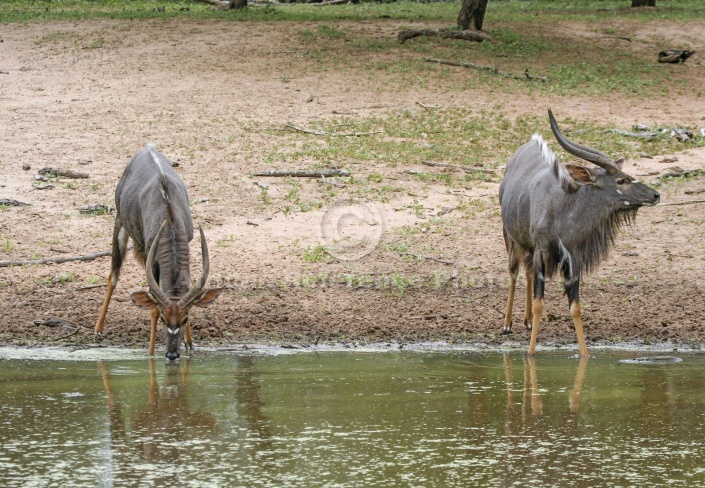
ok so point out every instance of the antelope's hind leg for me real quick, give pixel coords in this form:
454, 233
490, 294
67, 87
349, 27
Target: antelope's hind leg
513, 273
571, 284
117, 257
528, 315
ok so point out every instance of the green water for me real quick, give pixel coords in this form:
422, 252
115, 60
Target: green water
353, 419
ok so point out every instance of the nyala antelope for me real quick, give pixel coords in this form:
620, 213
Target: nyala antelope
562, 218
152, 209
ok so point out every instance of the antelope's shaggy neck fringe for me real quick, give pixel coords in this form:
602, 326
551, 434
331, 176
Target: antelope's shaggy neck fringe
588, 249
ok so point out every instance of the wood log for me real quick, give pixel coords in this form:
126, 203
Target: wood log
9, 202
65, 173
465, 35
87, 257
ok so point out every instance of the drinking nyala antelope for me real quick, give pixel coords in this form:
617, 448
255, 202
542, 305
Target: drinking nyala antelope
562, 218
152, 209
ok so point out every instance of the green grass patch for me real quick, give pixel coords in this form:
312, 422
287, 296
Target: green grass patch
543, 12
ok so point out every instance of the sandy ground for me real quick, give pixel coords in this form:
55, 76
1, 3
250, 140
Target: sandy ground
86, 96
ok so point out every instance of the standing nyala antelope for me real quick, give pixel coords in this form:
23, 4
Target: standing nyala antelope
562, 218
152, 208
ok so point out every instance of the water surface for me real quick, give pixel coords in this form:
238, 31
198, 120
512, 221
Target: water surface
353, 419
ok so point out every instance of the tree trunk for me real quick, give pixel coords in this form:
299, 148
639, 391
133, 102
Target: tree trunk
237, 4
472, 14
643, 3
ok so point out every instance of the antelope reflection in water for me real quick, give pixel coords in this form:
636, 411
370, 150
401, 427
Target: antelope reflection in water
165, 437
531, 402
161, 431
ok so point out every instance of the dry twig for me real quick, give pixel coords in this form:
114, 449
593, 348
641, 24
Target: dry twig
688, 202
467, 169
304, 173
324, 133
87, 257
491, 69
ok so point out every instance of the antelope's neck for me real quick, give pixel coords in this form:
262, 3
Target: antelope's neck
174, 264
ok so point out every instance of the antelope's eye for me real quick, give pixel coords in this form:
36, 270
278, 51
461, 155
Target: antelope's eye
621, 181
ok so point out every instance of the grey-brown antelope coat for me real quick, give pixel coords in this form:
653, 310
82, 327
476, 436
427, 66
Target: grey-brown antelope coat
565, 219
153, 209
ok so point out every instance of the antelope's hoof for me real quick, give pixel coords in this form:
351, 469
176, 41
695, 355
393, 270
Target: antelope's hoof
507, 330
527, 324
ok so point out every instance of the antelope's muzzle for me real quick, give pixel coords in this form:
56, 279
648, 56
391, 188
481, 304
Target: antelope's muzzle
173, 342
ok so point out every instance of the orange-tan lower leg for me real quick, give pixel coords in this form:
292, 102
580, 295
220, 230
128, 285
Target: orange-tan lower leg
528, 315
578, 322
537, 310
510, 305
187, 337
154, 317
104, 309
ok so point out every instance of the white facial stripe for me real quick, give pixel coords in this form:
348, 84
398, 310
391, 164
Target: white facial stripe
626, 203
172, 331
620, 192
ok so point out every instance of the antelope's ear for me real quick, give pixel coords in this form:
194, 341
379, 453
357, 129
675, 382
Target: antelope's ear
582, 175
620, 163
208, 297
143, 300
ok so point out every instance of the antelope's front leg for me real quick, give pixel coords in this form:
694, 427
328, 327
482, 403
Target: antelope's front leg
537, 305
571, 284
187, 338
154, 317
98, 330
573, 291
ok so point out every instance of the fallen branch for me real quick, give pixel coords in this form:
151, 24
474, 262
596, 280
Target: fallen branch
303, 173
430, 258
97, 209
428, 107
334, 183
56, 322
9, 202
689, 202
331, 2
90, 287
641, 135
464, 35
432, 317
467, 169
66, 173
621, 38
695, 192
324, 133
87, 257
492, 69
68, 335
218, 3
